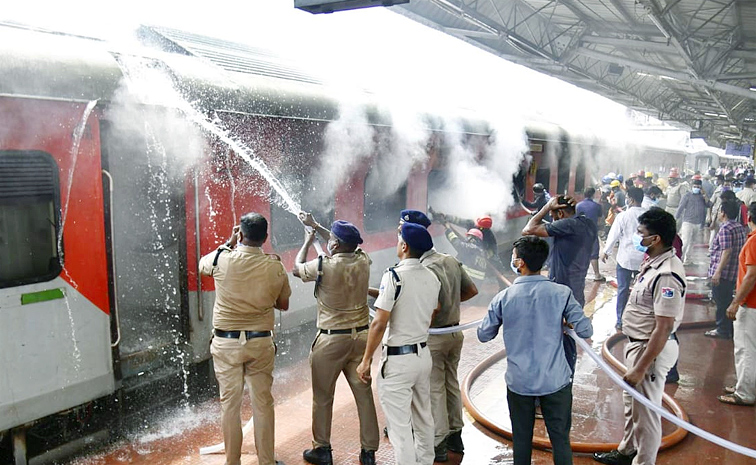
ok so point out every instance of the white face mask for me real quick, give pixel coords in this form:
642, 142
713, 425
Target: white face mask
514, 268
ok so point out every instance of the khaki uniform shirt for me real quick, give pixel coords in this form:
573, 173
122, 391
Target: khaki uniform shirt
247, 285
453, 279
343, 289
659, 289
412, 310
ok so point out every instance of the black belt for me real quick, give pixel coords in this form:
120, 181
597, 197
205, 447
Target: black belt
236, 334
446, 326
344, 331
404, 350
672, 337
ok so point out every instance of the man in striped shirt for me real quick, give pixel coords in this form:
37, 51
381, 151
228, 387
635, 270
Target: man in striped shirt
723, 270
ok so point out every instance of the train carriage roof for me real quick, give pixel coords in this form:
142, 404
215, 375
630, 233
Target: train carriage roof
218, 76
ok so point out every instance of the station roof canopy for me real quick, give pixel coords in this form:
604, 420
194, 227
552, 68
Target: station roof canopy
686, 61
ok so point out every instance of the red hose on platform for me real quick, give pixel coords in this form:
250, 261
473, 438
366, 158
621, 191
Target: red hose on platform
541, 442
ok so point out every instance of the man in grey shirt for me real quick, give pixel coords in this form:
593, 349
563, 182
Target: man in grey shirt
531, 313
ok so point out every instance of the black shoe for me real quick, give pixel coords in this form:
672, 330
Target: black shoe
454, 443
367, 457
614, 457
319, 456
441, 453
385, 431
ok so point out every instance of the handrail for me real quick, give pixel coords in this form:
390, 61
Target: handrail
197, 235
113, 259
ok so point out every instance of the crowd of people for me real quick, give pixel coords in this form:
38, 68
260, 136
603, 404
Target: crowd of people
649, 223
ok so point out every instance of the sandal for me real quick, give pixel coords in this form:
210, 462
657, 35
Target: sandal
733, 399
729, 389
599, 279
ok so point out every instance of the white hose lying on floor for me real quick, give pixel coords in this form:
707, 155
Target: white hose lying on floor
656, 408
220, 447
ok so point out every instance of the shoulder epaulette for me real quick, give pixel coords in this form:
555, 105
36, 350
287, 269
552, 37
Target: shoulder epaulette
397, 281
273, 256
217, 254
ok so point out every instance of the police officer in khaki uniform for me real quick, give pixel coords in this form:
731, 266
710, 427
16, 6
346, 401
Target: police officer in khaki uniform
446, 348
341, 289
248, 285
406, 301
652, 316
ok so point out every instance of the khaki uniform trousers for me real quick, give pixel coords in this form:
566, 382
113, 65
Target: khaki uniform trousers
237, 364
404, 392
643, 430
331, 355
446, 400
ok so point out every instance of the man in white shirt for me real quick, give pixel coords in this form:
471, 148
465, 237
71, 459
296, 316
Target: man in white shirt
628, 258
747, 195
406, 303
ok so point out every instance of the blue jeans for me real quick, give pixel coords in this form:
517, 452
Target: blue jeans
624, 279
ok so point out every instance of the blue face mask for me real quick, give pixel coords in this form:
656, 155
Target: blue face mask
738, 189
637, 239
696, 190
514, 268
655, 201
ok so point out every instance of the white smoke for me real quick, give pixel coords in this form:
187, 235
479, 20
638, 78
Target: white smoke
479, 171
400, 151
348, 141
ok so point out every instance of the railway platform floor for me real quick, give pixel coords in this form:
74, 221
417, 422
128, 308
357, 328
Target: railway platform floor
705, 366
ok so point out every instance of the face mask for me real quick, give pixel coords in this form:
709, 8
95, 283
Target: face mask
654, 201
637, 239
514, 268
738, 189
696, 190
725, 188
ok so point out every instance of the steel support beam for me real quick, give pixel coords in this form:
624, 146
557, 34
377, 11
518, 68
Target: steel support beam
646, 67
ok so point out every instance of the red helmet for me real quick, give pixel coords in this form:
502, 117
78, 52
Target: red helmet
484, 222
475, 232
697, 177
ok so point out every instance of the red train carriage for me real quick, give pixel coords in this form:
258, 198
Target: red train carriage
107, 200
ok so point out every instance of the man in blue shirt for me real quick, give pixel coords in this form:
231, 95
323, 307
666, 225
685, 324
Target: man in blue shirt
574, 237
531, 313
592, 211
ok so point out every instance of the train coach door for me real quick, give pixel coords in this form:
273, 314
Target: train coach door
145, 216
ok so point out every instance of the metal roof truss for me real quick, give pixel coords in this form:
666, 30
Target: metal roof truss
687, 61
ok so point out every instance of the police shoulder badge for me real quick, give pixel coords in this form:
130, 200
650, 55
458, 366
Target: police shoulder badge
668, 292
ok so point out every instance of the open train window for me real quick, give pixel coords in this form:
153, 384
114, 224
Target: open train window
543, 176
29, 218
381, 209
580, 176
564, 161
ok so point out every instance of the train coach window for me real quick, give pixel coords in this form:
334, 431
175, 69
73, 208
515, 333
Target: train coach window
381, 209
29, 219
286, 229
580, 176
564, 161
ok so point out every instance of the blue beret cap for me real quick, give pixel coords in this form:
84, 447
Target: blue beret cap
415, 216
417, 237
346, 232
